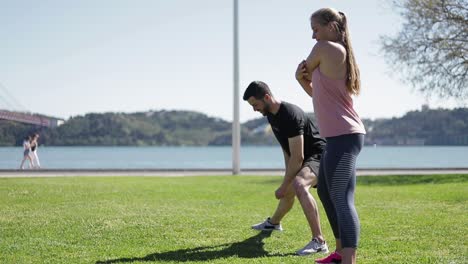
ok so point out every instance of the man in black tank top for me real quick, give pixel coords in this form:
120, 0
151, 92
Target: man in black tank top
302, 149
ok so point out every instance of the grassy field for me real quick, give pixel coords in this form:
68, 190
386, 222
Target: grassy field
404, 219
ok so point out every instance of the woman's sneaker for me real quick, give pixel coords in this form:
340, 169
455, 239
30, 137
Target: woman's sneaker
334, 258
267, 225
314, 246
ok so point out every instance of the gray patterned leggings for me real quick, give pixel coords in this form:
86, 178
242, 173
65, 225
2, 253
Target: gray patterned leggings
336, 184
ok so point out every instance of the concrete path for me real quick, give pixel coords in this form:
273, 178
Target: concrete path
201, 172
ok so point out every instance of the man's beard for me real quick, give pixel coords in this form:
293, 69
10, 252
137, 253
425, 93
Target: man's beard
266, 109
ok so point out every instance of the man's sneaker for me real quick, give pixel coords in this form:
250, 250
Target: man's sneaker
267, 225
334, 258
314, 246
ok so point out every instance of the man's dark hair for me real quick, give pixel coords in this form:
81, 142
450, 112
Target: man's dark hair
257, 89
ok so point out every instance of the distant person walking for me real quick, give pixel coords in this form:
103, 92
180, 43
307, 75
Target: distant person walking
302, 149
34, 157
330, 75
26, 152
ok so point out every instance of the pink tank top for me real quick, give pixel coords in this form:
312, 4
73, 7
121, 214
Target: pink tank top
333, 107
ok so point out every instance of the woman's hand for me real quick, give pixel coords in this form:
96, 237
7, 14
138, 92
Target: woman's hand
301, 72
302, 76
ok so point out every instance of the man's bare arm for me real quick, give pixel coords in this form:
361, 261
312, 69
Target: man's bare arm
294, 163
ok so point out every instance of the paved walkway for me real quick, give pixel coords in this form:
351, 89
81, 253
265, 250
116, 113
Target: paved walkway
200, 172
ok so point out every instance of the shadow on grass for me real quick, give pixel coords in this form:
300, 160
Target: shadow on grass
249, 248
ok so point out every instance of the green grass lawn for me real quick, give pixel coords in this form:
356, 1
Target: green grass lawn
404, 219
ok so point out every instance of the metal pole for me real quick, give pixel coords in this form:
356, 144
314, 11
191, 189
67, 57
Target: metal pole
235, 121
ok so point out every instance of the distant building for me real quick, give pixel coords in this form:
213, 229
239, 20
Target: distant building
55, 122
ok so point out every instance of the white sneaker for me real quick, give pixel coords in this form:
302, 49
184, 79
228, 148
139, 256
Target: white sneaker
267, 225
314, 246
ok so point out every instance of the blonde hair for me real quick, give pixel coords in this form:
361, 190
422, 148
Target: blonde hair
338, 21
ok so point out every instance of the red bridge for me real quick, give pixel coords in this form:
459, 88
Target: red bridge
31, 119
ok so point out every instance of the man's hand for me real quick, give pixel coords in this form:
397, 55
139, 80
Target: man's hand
280, 192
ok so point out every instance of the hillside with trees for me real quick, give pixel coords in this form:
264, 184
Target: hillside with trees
187, 128
426, 127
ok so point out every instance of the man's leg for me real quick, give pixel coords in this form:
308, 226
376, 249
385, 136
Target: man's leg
302, 183
273, 223
284, 206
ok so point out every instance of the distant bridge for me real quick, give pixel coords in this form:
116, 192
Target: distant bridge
30, 118
18, 112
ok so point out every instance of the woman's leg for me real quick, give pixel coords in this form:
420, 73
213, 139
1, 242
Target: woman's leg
323, 191
342, 170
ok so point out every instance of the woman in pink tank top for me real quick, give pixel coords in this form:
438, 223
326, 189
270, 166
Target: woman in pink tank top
330, 76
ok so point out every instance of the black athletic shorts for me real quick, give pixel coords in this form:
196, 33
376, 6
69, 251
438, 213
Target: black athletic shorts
314, 164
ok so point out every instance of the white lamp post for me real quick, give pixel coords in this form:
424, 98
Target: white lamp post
235, 121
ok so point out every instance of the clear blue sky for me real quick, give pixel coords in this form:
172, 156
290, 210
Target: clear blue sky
67, 58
